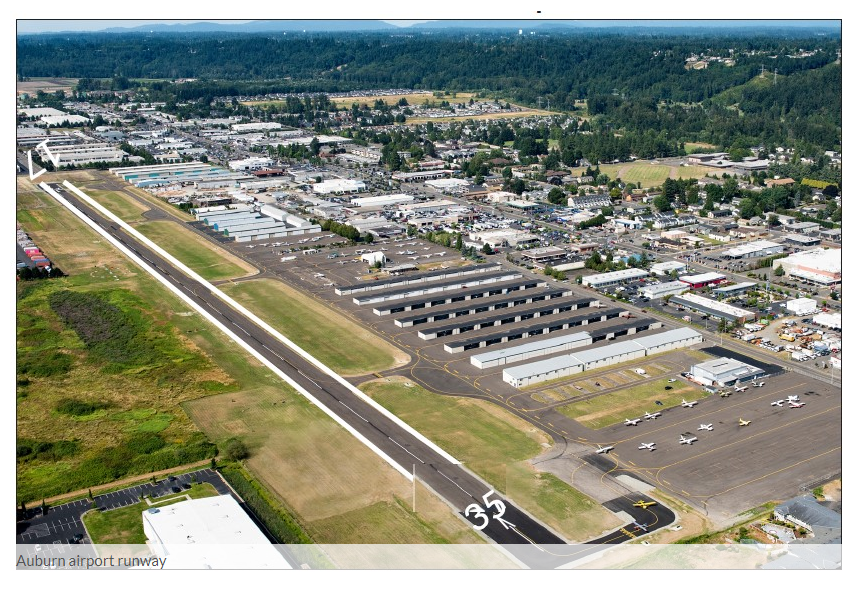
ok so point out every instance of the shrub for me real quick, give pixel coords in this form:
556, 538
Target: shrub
79, 408
235, 450
144, 442
41, 364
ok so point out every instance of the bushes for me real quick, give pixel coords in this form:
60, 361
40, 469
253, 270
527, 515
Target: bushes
282, 526
79, 408
41, 364
234, 450
144, 442
29, 449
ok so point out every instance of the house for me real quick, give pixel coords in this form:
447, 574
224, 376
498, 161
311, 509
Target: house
823, 523
772, 182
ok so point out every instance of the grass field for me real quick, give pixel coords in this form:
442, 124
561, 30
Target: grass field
46, 84
611, 408
481, 117
125, 525
689, 147
304, 458
650, 174
336, 341
117, 202
413, 99
496, 445
210, 261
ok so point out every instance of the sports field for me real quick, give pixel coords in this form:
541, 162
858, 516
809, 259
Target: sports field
611, 408
496, 445
649, 174
335, 340
205, 258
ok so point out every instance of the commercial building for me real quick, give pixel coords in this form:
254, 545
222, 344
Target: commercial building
339, 185
712, 308
381, 200
251, 164
735, 290
209, 533
444, 185
247, 127
754, 248
820, 266
829, 320
541, 256
801, 307
606, 355
62, 120
701, 280
802, 240
504, 237
666, 268
658, 291
613, 278
724, 372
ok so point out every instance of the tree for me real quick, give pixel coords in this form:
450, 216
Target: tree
235, 450
459, 243
368, 238
557, 196
779, 271
487, 249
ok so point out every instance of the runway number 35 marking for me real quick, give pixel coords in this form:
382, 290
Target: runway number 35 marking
481, 513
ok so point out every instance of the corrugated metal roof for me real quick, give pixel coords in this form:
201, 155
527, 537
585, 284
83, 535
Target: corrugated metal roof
531, 347
669, 336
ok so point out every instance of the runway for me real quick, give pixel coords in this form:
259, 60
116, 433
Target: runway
498, 518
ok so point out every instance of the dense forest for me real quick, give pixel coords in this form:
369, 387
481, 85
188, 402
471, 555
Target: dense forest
633, 82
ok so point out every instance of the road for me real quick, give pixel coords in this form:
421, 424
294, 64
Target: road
461, 489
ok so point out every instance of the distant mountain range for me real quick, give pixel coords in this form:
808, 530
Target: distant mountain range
376, 25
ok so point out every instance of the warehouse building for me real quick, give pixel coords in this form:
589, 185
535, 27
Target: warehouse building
381, 201
209, 533
477, 292
724, 372
712, 308
248, 127
339, 185
658, 291
430, 276
251, 164
753, 249
606, 355
701, 280
801, 307
829, 320
820, 266
517, 353
551, 326
613, 278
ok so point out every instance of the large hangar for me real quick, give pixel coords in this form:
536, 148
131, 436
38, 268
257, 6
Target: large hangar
606, 355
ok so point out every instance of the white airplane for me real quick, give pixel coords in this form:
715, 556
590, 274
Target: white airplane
319, 275
410, 252
684, 403
708, 427
672, 380
401, 252
607, 449
796, 405
425, 256
250, 246
648, 446
792, 398
413, 258
687, 440
743, 422
740, 388
777, 403
427, 248
439, 254
631, 422
758, 385
639, 526
652, 415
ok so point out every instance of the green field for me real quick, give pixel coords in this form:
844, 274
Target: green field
607, 409
301, 456
125, 525
496, 445
127, 209
650, 174
335, 340
211, 262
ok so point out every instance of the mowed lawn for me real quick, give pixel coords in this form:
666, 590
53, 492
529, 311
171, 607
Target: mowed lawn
124, 207
337, 341
651, 174
613, 407
340, 491
497, 446
211, 262
125, 525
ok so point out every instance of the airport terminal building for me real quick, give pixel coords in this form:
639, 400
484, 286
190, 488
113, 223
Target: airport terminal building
724, 372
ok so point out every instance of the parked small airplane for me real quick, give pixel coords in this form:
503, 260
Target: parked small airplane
652, 415
684, 403
607, 449
631, 422
708, 427
777, 403
648, 446
687, 440
793, 398
639, 526
743, 422
742, 388
643, 504
796, 405
758, 385
672, 380
725, 394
